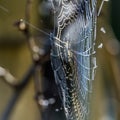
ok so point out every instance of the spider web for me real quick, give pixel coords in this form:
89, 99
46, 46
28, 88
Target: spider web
72, 54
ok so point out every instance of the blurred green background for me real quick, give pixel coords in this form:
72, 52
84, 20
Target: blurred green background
15, 57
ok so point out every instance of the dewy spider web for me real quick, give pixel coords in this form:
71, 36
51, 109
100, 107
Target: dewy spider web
72, 54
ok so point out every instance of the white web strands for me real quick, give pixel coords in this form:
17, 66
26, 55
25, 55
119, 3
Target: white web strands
72, 54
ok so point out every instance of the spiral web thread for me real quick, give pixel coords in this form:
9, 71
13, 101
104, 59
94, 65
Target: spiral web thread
72, 54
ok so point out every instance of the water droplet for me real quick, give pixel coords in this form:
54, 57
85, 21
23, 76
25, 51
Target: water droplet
44, 103
56, 110
22, 25
102, 29
36, 49
100, 45
51, 101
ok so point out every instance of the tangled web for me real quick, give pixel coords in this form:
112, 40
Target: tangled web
72, 54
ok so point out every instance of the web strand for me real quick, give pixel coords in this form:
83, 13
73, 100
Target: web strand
73, 53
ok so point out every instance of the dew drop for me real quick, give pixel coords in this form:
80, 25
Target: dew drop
102, 29
44, 103
56, 110
51, 101
100, 45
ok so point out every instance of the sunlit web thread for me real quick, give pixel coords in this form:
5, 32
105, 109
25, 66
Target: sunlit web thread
4, 9
72, 54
